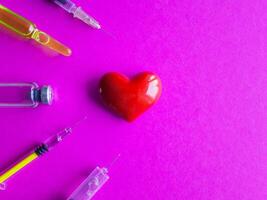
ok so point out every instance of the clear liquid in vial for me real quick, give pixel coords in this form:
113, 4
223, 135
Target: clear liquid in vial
24, 95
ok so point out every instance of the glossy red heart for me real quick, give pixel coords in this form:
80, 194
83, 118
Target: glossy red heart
130, 97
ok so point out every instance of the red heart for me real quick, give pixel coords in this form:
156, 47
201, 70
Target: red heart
130, 97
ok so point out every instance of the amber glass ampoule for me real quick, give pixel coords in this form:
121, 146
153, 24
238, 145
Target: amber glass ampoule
28, 29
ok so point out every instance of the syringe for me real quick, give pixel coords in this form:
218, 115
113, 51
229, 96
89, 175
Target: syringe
37, 152
93, 183
77, 12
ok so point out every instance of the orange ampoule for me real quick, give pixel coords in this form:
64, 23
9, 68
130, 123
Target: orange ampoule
27, 29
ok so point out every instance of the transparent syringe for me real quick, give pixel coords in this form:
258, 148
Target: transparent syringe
93, 183
49, 144
78, 12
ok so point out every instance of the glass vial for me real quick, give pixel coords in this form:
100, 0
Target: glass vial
24, 95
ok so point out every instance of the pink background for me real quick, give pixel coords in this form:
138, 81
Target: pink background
204, 139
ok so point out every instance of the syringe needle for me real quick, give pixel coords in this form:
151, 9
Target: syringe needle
114, 161
55, 139
79, 122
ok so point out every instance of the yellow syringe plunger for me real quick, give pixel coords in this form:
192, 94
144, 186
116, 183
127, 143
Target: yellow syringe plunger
28, 29
49, 144
18, 167
23, 163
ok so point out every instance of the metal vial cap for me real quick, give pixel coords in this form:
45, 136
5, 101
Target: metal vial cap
46, 95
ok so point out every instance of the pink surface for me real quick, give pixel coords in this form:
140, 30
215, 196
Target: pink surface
204, 139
